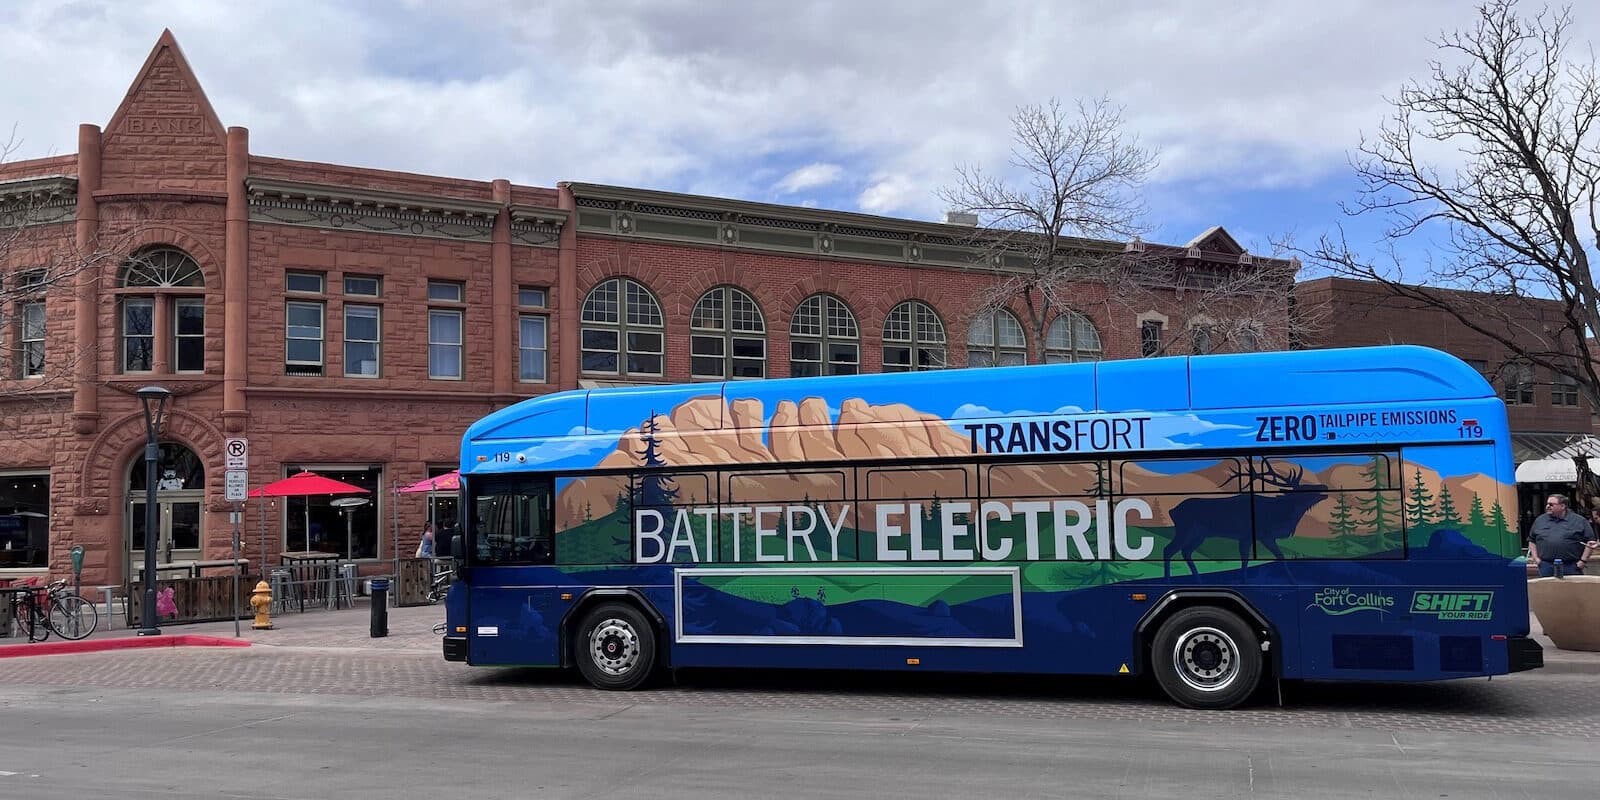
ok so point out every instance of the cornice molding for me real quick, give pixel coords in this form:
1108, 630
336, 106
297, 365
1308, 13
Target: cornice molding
628, 213
43, 200
372, 211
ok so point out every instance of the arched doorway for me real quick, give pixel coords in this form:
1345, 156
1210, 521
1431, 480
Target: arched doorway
180, 496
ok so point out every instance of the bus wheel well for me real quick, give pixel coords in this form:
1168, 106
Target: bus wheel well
595, 597
1178, 600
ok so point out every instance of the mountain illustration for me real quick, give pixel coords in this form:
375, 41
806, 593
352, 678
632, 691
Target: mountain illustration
692, 435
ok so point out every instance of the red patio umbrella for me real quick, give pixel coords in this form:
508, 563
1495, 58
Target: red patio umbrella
448, 482
299, 485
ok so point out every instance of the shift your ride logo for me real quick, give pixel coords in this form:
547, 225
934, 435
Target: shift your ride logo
1339, 602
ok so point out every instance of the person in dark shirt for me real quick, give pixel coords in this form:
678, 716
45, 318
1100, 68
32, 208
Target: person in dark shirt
1559, 533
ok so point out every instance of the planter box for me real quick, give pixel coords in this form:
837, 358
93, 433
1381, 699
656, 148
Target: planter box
198, 600
1568, 609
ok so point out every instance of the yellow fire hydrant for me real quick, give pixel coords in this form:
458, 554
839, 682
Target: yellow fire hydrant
261, 601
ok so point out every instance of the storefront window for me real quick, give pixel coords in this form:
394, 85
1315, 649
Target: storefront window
317, 524
24, 520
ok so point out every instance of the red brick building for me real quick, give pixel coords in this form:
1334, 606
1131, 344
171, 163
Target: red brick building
354, 322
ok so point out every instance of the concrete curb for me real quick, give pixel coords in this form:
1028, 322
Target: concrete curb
1567, 665
117, 643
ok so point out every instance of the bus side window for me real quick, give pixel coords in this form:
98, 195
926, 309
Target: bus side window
512, 522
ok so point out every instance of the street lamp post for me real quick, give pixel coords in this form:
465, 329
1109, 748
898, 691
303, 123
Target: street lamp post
154, 399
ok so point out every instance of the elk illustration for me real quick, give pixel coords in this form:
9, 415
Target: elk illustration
1276, 516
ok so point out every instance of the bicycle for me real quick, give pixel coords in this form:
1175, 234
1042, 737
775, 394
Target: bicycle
439, 585
64, 613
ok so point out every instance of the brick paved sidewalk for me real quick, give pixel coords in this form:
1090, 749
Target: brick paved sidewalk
410, 630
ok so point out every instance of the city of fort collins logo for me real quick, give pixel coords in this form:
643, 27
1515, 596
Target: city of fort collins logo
1339, 602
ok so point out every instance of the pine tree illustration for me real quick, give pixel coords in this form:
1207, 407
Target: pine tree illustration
588, 511
1419, 506
1475, 513
1378, 509
654, 489
1447, 508
1342, 521
1497, 520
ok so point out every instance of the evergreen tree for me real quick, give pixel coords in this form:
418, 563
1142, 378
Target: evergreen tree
1475, 513
1378, 509
588, 511
1420, 504
1497, 519
1342, 521
1447, 508
654, 489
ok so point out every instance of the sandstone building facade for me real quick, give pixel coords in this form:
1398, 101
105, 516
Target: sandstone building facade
353, 322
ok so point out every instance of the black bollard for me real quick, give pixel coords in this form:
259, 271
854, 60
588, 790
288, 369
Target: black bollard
380, 607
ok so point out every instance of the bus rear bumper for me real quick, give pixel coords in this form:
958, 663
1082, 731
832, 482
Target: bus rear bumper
455, 648
1522, 654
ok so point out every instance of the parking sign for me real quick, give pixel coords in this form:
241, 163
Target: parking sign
238, 454
236, 485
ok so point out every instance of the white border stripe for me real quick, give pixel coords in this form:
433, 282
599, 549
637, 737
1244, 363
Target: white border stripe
1014, 573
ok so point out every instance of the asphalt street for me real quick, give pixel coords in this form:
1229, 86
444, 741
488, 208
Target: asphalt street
318, 723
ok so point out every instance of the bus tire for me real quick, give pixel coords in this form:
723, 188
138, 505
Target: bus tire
615, 647
1206, 657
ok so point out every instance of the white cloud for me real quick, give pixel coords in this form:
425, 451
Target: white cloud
810, 176
1239, 96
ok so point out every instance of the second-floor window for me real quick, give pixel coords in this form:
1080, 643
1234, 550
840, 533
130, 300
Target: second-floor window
161, 312
1150, 338
1564, 391
31, 336
622, 329
1072, 338
1518, 382
913, 338
363, 338
824, 338
996, 339
728, 338
445, 338
303, 337
532, 354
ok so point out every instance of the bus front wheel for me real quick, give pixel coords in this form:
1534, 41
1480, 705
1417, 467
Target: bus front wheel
1206, 657
616, 647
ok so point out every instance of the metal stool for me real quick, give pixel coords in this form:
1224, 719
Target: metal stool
278, 579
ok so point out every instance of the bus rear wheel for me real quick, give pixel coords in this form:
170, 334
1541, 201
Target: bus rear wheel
1206, 657
616, 647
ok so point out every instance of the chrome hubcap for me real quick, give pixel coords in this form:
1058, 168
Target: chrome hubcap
614, 646
1207, 659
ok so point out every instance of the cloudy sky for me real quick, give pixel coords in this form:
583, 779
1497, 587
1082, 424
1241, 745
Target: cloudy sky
1255, 107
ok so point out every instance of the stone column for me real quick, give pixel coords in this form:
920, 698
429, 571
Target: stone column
85, 319
503, 300
235, 283
567, 310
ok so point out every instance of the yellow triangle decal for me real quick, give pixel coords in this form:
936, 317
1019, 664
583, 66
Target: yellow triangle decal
1124, 670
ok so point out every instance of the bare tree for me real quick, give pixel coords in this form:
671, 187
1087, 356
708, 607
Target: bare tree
1062, 230
41, 270
1511, 211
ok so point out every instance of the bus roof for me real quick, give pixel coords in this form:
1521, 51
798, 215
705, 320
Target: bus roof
1391, 374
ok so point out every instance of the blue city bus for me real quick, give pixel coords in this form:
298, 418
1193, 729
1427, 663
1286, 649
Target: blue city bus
1212, 521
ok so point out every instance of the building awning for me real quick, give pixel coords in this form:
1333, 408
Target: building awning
1536, 446
1550, 457
1552, 470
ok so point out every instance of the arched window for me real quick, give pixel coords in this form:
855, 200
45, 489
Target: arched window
161, 313
996, 339
913, 338
1072, 337
823, 338
728, 336
622, 329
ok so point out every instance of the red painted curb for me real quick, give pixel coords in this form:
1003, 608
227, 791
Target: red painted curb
118, 643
